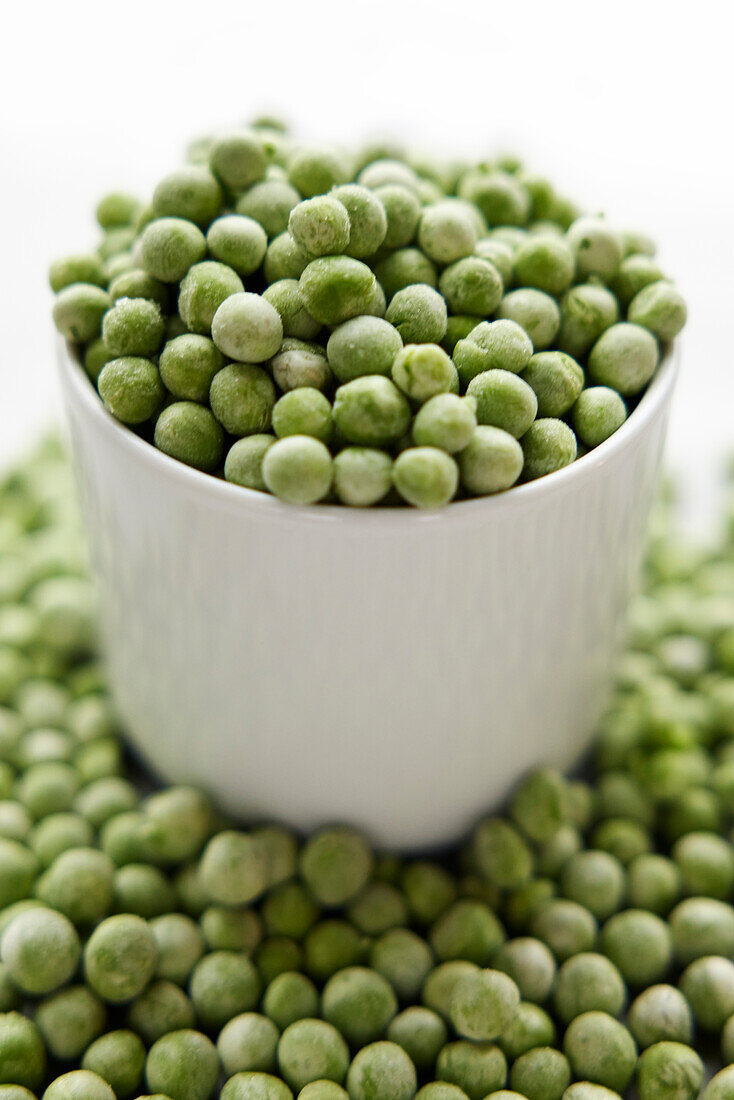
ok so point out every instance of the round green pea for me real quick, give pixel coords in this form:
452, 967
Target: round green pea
548, 445
298, 469
336, 288
425, 477
244, 462
169, 247
312, 1050
239, 242
131, 389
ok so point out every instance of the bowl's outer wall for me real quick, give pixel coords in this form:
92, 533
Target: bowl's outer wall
396, 676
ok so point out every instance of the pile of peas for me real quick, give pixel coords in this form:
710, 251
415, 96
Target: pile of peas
364, 327
577, 945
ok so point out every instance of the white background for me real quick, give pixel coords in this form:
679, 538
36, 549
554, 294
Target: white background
628, 106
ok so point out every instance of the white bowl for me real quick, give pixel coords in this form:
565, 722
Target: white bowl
394, 669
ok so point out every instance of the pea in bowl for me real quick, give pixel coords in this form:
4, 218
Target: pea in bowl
393, 668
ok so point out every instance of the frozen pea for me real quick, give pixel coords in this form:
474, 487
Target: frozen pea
367, 219
660, 308
467, 930
118, 1058
233, 868
336, 288
362, 475
320, 226
144, 890
557, 380
136, 283
289, 997
446, 421
483, 1004
405, 267
379, 907
298, 469
541, 1074
169, 247
669, 1070
636, 271
548, 445
300, 364
624, 358
600, 1050
404, 959
179, 945
501, 854
131, 389
586, 1090
58, 832
622, 838
103, 798
15, 821
120, 837
595, 880
162, 1007
587, 311
535, 311
659, 1013
419, 314
708, 985
446, 232
440, 983
237, 241
378, 1068
531, 1027
336, 864
189, 433
285, 296
546, 263
598, 413
238, 158
79, 1084
471, 285
492, 345
554, 853
500, 197
425, 477
191, 192
476, 1068
598, 249
248, 1042
18, 869
83, 267
423, 370
183, 1065
242, 397
530, 964
178, 822
284, 259
254, 1085
588, 982
491, 461
133, 327
78, 311
440, 1090
385, 165
331, 945
203, 289
363, 346
504, 401
313, 171
706, 865
702, 926
566, 927
22, 1053
247, 328
230, 929
69, 1021
421, 1033
269, 202
289, 910
721, 1086
303, 411
120, 958
276, 955
500, 254
360, 1003
371, 411
402, 214
244, 462
40, 950
640, 945
312, 1050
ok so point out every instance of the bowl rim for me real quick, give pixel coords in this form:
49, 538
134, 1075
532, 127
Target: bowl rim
197, 482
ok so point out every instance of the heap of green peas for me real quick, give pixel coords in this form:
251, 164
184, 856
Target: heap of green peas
578, 944
364, 328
